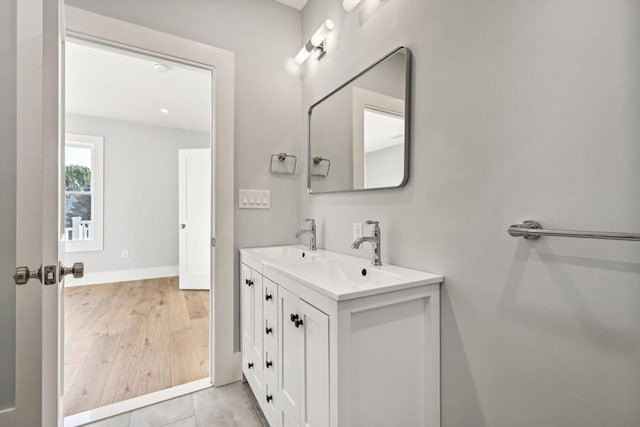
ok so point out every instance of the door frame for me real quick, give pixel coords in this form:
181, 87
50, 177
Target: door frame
96, 28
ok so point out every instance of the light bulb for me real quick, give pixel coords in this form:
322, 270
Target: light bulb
321, 33
349, 5
302, 56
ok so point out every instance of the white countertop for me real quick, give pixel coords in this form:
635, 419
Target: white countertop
338, 276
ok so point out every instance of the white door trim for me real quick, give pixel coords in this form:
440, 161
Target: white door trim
91, 26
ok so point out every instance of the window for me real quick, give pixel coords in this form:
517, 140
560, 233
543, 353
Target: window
83, 196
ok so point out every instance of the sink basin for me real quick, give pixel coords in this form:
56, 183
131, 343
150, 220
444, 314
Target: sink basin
348, 273
338, 276
344, 272
286, 254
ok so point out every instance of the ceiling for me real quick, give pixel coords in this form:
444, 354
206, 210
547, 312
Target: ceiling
115, 84
297, 4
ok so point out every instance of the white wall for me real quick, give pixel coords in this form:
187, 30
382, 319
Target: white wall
523, 109
264, 36
384, 167
140, 193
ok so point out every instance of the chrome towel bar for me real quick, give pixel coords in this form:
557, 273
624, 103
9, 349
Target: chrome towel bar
532, 230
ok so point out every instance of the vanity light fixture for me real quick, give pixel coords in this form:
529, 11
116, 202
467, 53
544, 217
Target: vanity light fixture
316, 44
349, 5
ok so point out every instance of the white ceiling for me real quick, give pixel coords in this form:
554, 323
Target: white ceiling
297, 4
115, 84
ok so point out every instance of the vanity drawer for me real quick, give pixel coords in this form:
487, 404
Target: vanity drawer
270, 405
270, 332
270, 300
270, 363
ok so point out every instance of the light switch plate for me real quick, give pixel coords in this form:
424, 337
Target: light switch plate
357, 230
254, 199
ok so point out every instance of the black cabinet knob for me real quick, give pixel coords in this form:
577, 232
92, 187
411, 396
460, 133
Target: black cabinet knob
269, 397
298, 323
246, 281
269, 364
268, 330
294, 317
268, 297
250, 365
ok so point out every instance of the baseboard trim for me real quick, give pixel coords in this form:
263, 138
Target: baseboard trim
132, 404
122, 275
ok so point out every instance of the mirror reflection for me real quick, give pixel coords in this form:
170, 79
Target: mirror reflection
357, 137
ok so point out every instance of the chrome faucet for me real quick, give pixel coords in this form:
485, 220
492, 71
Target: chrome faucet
374, 239
312, 233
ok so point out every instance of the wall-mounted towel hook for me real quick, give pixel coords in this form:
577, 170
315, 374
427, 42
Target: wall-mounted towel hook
318, 162
285, 164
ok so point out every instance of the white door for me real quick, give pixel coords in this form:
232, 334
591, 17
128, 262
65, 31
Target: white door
29, 227
194, 216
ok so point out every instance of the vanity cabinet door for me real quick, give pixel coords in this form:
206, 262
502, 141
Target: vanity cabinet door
304, 362
251, 283
247, 309
290, 350
315, 386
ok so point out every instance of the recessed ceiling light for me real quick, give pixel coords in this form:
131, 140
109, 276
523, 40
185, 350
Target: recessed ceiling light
164, 111
161, 68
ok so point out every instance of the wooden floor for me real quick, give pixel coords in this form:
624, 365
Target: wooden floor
127, 339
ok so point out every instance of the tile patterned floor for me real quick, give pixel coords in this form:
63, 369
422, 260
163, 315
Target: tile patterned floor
228, 406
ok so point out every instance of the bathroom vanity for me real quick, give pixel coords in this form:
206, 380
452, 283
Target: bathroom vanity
329, 340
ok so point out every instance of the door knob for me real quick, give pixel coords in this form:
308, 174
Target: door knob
23, 274
183, 225
77, 270
46, 275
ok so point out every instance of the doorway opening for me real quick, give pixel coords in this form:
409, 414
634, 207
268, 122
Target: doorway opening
138, 213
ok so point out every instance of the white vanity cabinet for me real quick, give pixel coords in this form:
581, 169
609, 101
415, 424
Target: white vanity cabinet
340, 354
